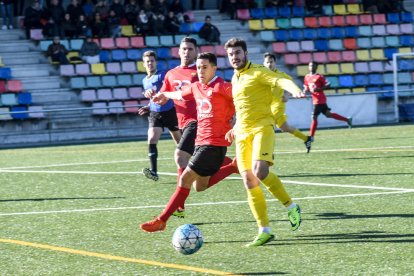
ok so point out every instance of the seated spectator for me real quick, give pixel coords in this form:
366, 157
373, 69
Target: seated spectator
68, 28
171, 23
99, 27
147, 6
161, 7
131, 12
178, 10
55, 11
314, 6
57, 52
143, 23
114, 23
32, 19
118, 8
157, 23
50, 29
90, 51
75, 10
209, 32
102, 9
88, 8
83, 28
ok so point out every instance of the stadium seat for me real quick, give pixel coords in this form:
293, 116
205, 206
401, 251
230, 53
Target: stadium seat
257, 13
82, 69
365, 19
113, 67
116, 107
334, 81
324, 33
392, 41
334, 56
291, 59
135, 92
363, 55
137, 79
228, 74
293, 46
347, 68
354, 9
305, 57
327, 10
339, 20
24, 98
406, 28
131, 106
133, 54
243, 14
137, 42
36, 34
270, 12
162, 65
377, 54
172, 63
88, 95
351, 31
14, 86
207, 48
406, 17
404, 50
269, 24
178, 38
392, 29
19, 115
379, 18
93, 81
77, 82
197, 26
98, 69
5, 73
99, 108
128, 67
335, 44
376, 66
267, 36
393, 18
307, 45
255, 25
295, 34
363, 42
352, 20
365, 31
351, 43
36, 112
311, 22
104, 56
127, 30
337, 32
140, 67
320, 57
124, 80
346, 81
375, 79
281, 35
297, 22
302, 70
120, 93
360, 80
8, 99
378, 42
167, 40
65, 43
404, 77
283, 23
298, 11
220, 51
388, 52
108, 43
2, 86
163, 53
332, 69
152, 41
76, 44
348, 56
325, 21
340, 9
406, 40
104, 94
119, 55
361, 67
284, 11
67, 70
279, 47
44, 44
109, 81
309, 33
122, 42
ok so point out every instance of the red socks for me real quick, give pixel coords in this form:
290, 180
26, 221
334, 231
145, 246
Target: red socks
176, 200
314, 126
226, 169
339, 117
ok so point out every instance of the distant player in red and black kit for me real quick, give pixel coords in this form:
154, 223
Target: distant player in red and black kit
175, 79
209, 163
315, 83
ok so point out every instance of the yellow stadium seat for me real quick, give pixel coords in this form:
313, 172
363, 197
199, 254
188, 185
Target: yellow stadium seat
98, 69
330, 91
404, 50
140, 66
340, 9
358, 89
321, 69
74, 57
1, 62
354, 9
332, 69
378, 54
269, 24
127, 30
363, 55
347, 68
343, 90
302, 70
255, 25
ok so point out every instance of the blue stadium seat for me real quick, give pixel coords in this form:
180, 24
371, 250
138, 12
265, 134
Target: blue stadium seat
298, 11
327, 10
162, 65
109, 81
321, 45
124, 80
337, 32
8, 99
346, 81
104, 56
137, 79
167, 40
186, 28
324, 33
228, 74
333, 80
44, 44
296, 34
388, 52
172, 63
78, 82
281, 35
310, 33
119, 55
393, 18
24, 98
76, 44
407, 40
360, 80
5, 73
267, 36
164, 53
257, 13
19, 115
93, 81
375, 79
133, 54
196, 26
297, 22
284, 11
270, 12
406, 17
404, 77
406, 64
351, 31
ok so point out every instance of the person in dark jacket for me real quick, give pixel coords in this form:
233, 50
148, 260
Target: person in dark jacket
57, 52
32, 17
209, 32
90, 51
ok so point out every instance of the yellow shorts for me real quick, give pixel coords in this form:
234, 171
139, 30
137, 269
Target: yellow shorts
256, 144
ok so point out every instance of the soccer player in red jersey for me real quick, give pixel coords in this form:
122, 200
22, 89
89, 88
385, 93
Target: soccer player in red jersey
209, 163
315, 83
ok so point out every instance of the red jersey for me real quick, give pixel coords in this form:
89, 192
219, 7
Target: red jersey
313, 81
174, 80
215, 110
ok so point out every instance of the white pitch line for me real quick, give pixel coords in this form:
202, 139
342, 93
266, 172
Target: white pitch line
190, 204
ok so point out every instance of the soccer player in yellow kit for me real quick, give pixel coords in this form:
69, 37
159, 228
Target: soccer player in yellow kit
279, 104
254, 135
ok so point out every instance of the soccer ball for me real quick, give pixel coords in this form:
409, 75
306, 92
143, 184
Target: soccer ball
187, 239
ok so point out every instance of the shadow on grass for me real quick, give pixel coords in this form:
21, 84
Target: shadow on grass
379, 157
340, 175
350, 216
58, 198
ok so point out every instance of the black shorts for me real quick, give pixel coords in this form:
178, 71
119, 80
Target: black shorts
207, 160
320, 108
163, 119
188, 137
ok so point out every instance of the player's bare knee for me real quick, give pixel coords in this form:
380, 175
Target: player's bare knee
260, 172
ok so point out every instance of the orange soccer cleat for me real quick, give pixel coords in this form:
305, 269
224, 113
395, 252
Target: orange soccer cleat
154, 225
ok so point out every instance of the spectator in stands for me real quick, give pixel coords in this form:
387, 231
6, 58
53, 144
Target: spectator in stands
118, 8
57, 52
7, 13
143, 25
83, 28
209, 32
114, 23
147, 6
230, 7
99, 27
200, 4
172, 25
88, 7
157, 23
50, 29
370, 6
75, 10
131, 12
102, 9
68, 28
161, 7
177, 8
314, 6
90, 51
56, 12
32, 18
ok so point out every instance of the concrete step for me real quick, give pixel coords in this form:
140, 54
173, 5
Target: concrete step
41, 83
54, 95
6, 36
12, 58
30, 72
5, 48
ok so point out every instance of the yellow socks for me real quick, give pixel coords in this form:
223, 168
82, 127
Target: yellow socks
276, 188
257, 203
300, 135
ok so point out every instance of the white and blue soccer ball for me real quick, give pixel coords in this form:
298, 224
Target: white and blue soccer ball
187, 239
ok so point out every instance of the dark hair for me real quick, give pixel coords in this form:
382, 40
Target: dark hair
207, 17
209, 56
190, 40
315, 64
235, 42
149, 54
267, 54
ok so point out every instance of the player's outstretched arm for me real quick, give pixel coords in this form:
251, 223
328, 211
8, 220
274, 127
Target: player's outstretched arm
162, 98
291, 87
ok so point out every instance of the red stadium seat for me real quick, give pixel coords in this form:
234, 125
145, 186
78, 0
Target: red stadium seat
279, 47
122, 42
14, 85
2, 86
220, 51
352, 20
334, 56
350, 43
380, 18
174, 52
243, 14
338, 20
291, 59
320, 57
305, 57
130, 108
108, 43
137, 42
207, 48
325, 21
349, 56
365, 19
311, 22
